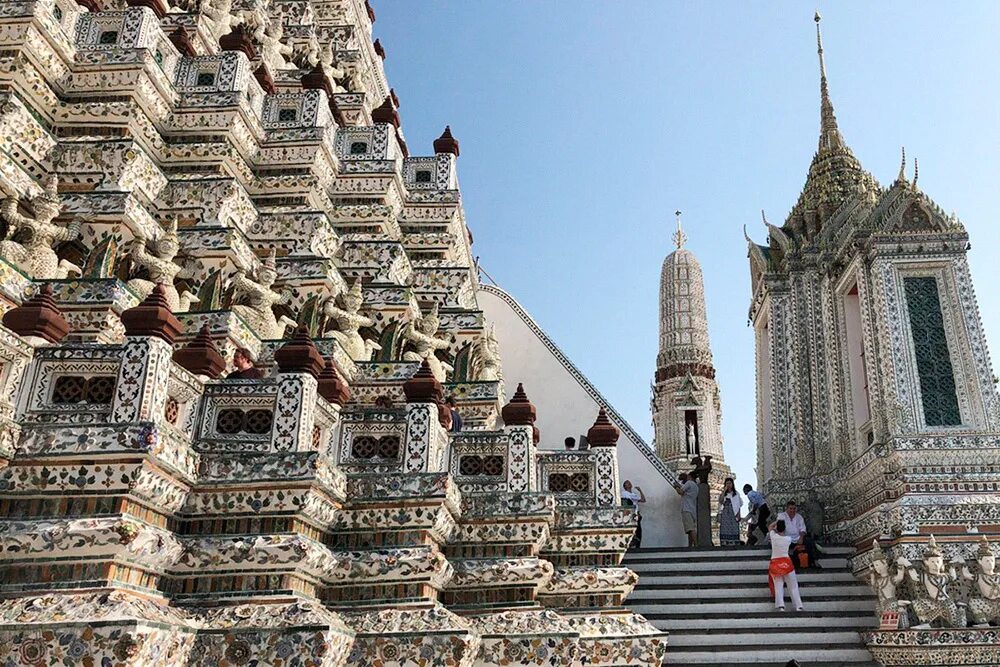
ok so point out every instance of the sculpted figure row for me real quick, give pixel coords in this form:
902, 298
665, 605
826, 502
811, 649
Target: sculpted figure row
933, 602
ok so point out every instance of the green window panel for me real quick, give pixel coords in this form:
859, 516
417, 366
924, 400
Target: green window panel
937, 378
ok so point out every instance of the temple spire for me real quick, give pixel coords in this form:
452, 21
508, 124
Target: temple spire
679, 236
829, 134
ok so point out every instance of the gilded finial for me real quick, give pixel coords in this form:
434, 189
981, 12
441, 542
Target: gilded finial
679, 236
902, 168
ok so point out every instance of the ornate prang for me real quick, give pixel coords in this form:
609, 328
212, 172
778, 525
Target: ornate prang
603, 433
299, 354
686, 402
38, 317
331, 386
446, 143
152, 317
200, 356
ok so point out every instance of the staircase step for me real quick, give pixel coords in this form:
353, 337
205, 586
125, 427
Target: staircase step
717, 610
835, 564
681, 607
719, 553
746, 592
777, 621
807, 656
785, 637
711, 578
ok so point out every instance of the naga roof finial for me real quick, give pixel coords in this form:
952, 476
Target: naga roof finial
902, 168
916, 172
679, 236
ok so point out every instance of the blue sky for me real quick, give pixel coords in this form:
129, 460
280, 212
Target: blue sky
585, 124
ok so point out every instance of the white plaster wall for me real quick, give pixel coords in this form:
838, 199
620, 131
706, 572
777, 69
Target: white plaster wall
567, 405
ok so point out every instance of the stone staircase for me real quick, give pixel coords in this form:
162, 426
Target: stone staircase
716, 607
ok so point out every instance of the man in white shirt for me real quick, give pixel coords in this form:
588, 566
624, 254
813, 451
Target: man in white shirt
632, 498
688, 491
795, 528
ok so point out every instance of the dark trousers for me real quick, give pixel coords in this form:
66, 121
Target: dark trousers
809, 544
637, 538
760, 523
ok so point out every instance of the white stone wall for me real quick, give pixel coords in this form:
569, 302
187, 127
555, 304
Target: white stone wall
567, 404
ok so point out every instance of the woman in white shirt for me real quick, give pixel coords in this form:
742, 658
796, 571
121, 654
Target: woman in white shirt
780, 571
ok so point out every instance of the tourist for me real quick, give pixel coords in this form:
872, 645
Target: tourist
632, 498
456, 418
730, 506
757, 516
801, 539
781, 571
570, 444
244, 368
688, 491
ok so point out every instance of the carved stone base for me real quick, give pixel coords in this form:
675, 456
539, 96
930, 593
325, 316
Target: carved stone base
412, 636
617, 638
967, 646
110, 628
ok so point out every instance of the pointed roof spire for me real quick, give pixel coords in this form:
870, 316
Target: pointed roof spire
679, 236
835, 175
829, 135
901, 178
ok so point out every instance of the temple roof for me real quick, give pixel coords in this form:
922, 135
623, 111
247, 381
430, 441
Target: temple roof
835, 175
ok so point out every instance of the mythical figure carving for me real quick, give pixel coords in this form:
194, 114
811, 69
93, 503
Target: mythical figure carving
489, 356
984, 602
253, 300
161, 268
349, 319
275, 54
884, 578
422, 334
932, 600
219, 15
34, 250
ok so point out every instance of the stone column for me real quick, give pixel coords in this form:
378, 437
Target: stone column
299, 364
424, 445
519, 422
141, 388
